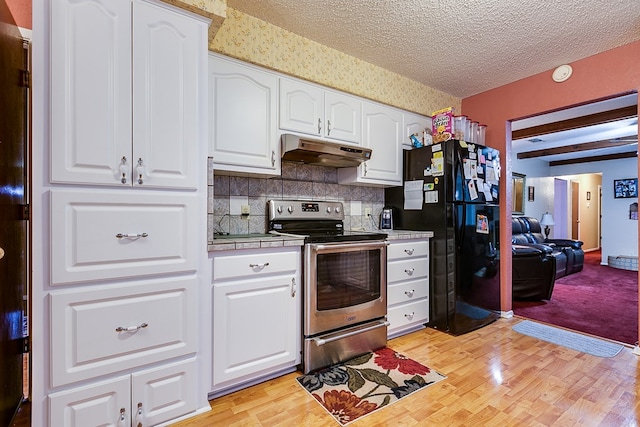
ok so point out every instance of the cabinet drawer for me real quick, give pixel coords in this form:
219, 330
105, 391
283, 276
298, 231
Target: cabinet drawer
85, 340
407, 291
408, 314
85, 226
407, 269
254, 263
408, 249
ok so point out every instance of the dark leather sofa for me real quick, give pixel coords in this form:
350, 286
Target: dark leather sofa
533, 272
572, 249
537, 262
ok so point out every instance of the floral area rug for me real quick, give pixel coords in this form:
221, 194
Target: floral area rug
367, 383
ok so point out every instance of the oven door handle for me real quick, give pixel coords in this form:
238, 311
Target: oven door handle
321, 341
351, 246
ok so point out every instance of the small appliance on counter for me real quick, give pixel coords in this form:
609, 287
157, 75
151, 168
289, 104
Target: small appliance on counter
386, 219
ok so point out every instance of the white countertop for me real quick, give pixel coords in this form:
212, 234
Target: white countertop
257, 241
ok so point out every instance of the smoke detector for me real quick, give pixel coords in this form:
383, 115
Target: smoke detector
562, 73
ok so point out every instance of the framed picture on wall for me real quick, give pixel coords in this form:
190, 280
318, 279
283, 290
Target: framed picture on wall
625, 188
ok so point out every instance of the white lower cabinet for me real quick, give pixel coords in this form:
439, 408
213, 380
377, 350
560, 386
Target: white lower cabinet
102, 330
120, 234
256, 315
145, 398
407, 285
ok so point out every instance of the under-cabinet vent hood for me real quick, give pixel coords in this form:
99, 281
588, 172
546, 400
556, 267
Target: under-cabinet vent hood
306, 150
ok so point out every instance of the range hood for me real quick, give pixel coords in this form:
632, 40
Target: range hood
314, 151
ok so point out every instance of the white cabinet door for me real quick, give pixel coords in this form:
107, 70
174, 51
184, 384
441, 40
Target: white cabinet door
256, 326
414, 124
106, 403
105, 329
242, 126
301, 107
164, 393
90, 90
343, 116
169, 51
114, 118
382, 132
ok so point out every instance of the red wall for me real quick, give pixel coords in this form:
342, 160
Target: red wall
21, 11
599, 76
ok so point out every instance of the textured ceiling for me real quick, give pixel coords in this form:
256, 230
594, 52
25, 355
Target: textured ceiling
460, 47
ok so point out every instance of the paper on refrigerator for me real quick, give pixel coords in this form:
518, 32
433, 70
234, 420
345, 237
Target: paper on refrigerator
413, 195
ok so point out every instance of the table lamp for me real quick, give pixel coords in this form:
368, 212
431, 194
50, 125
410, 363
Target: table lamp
547, 220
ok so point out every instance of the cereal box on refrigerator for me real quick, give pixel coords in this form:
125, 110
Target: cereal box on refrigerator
442, 125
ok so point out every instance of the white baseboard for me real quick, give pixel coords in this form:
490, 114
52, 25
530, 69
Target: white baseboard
636, 350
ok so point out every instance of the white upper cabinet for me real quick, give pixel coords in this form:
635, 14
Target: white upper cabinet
124, 93
414, 124
382, 132
243, 118
310, 109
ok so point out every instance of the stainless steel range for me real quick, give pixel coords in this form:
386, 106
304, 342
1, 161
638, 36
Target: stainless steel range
345, 289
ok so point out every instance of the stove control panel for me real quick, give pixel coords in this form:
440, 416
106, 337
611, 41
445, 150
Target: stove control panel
305, 210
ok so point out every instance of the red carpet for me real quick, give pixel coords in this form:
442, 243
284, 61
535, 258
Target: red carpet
599, 300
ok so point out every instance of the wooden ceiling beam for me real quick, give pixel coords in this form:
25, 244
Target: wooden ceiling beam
575, 123
593, 159
586, 146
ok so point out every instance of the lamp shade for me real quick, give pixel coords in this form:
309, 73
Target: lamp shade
547, 219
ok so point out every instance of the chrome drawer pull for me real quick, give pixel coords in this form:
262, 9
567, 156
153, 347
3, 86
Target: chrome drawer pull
293, 287
409, 271
131, 235
409, 251
131, 328
409, 293
259, 266
410, 316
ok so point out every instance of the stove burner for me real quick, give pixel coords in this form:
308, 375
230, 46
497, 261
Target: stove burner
318, 222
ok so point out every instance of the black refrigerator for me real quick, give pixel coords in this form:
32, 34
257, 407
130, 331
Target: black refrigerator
451, 188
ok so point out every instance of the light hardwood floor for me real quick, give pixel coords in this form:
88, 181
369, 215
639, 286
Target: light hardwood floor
496, 377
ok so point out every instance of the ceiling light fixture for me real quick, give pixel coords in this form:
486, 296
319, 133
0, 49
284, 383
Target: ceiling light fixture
562, 73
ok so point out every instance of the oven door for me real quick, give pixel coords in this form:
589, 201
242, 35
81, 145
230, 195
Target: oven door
345, 284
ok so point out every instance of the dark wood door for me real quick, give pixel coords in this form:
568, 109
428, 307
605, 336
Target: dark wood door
13, 227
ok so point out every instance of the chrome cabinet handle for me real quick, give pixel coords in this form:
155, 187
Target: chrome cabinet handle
273, 158
131, 328
409, 293
259, 266
131, 235
328, 127
124, 169
409, 271
122, 418
365, 168
319, 126
409, 251
139, 416
293, 287
410, 316
140, 171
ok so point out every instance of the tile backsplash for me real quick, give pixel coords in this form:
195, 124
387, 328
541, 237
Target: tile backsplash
298, 181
